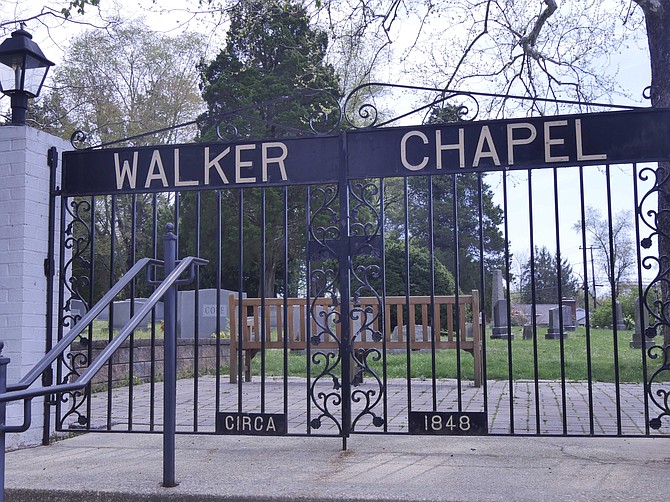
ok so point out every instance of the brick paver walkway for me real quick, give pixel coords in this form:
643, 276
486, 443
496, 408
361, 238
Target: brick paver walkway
506, 414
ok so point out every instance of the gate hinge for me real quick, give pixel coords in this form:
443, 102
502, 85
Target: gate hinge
48, 267
47, 377
52, 157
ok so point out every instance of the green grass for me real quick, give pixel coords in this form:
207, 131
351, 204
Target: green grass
497, 360
100, 331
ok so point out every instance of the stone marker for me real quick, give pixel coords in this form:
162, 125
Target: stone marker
206, 314
122, 313
497, 289
528, 332
569, 323
121, 310
554, 331
499, 329
620, 325
641, 323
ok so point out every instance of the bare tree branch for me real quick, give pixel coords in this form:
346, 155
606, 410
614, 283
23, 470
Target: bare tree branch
529, 41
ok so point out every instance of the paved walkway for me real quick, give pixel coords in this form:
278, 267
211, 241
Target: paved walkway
503, 409
128, 468
119, 467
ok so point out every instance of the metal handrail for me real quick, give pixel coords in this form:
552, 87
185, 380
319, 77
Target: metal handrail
167, 290
83, 323
18, 392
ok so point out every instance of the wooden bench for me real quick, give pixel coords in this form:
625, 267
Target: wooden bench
270, 333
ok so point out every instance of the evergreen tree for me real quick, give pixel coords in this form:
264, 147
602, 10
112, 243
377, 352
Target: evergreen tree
468, 188
543, 279
271, 52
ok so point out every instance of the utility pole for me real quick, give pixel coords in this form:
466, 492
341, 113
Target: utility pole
593, 275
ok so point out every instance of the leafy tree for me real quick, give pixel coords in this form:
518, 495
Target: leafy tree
124, 83
542, 281
271, 51
615, 263
468, 190
420, 279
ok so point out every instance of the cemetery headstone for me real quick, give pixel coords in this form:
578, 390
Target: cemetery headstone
641, 323
499, 329
122, 311
497, 289
554, 332
568, 319
528, 332
620, 325
206, 313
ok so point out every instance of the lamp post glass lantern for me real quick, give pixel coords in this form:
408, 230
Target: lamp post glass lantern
23, 69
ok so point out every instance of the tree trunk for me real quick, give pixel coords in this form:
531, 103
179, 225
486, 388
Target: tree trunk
657, 17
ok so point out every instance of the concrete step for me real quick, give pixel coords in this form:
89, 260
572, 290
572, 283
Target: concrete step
108, 467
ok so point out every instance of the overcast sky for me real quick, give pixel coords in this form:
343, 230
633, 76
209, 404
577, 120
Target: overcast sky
633, 75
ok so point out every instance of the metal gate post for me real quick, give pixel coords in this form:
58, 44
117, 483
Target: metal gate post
4, 361
344, 265
170, 361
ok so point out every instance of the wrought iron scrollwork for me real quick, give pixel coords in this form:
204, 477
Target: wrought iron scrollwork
362, 111
78, 140
365, 250
77, 240
328, 245
324, 115
323, 231
656, 295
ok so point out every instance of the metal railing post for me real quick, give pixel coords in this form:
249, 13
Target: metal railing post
4, 361
170, 361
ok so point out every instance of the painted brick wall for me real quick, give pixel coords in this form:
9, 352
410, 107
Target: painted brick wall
24, 211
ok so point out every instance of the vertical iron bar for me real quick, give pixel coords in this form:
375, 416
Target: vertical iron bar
382, 307
559, 277
589, 362
399, 315
131, 339
344, 265
219, 243
533, 308
241, 311
4, 361
196, 316
47, 378
263, 293
431, 248
457, 300
308, 302
170, 362
482, 290
510, 370
91, 302
61, 297
641, 304
286, 297
615, 333
152, 377
110, 318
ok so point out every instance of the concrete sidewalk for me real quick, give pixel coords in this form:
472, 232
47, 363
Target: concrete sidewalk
128, 467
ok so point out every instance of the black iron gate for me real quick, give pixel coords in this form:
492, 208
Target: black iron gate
365, 281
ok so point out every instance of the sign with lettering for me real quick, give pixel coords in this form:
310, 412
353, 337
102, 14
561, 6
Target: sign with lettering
448, 423
258, 424
602, 138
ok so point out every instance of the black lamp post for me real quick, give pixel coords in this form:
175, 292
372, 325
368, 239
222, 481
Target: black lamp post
23, 68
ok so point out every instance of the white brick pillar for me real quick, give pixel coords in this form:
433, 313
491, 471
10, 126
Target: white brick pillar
24, 224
